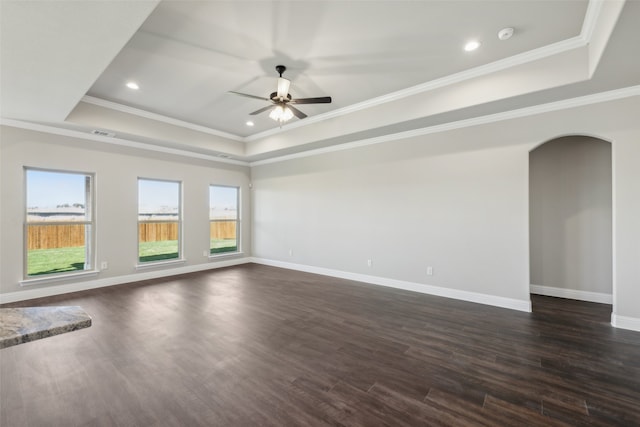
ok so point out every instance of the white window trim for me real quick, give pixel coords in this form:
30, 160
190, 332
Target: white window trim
225, 255
90, 248
142, 265
160, 263
238, 220
57, 277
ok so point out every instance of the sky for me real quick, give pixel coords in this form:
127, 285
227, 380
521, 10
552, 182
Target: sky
224, 197
153, 195
50, 189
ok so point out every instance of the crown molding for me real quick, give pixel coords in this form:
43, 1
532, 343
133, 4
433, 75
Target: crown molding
482, 70
591, 19
589, 23
37, 127
592, 15
491, 118
157, 117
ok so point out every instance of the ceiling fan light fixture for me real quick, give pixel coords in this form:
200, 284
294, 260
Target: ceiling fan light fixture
279, 109
288, 114
281, 114
276, 113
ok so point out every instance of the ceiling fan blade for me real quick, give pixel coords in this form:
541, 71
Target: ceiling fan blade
283, 87
246, 95
320, 100
299, 114
262, 110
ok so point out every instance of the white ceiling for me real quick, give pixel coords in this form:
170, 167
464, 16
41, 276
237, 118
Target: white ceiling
390, 66
188, 55
52, 52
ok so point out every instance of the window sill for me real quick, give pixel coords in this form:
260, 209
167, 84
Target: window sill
213, 257
150, 265
57, 278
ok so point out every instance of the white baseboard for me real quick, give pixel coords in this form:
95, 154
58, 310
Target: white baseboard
514, 304
48, 291
624, 322
572, 294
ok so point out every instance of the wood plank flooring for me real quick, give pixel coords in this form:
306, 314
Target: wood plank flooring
260, 346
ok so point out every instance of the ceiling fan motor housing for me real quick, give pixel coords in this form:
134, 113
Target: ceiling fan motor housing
274, 97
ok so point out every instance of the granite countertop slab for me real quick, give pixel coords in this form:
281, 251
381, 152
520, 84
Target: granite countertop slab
21, 325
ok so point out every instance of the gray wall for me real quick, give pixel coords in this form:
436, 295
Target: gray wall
626, 202
116, 170
456, 204
570, 213
456, 200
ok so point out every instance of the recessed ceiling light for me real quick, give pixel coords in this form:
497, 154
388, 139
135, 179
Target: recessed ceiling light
133, 85
472, 45
249, 123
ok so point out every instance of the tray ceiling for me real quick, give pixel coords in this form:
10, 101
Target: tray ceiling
391, 67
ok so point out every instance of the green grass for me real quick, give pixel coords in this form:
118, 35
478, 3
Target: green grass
58, 260
223, 245
157, 251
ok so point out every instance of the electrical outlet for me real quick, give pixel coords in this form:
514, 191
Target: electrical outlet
104, 265
205, 253
429, 271
290, 252
369, 263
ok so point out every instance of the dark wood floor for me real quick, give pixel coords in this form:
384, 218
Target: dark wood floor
256, 345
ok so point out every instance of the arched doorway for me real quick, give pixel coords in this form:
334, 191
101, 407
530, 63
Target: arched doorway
570, 219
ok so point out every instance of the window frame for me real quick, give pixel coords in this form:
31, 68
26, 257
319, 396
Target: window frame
238, 220
90, 233
179, 258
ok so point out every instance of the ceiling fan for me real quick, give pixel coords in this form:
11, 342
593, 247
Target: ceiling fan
281, 100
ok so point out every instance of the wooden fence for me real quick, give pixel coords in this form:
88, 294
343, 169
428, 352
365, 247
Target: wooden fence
223, 229
157, 231
55, 236
69, 235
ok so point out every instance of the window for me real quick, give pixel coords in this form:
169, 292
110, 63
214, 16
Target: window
159, 220
59, 222
224, 219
